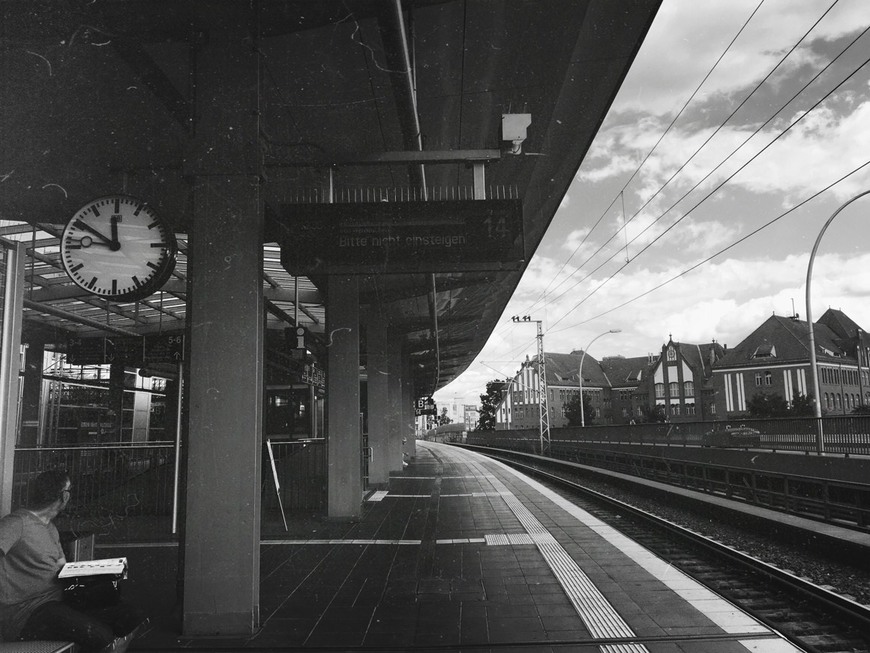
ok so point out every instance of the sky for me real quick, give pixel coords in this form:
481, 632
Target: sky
740, 129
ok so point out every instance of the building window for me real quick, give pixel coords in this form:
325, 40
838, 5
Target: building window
674, 389
690, 409
660, 390
672, 354
689, 389
712, 409
768, 378
758, 379
675, 409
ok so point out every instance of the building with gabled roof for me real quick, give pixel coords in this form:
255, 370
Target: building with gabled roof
775, 359
619, 389
626, 375
679, 381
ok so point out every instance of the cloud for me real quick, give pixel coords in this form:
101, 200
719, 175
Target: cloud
684, 44
728, 297
723, 301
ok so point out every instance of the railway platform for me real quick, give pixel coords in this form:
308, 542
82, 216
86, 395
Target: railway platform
462, 554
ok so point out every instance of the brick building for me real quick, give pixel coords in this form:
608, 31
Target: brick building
680, 381
775, 359
620, 389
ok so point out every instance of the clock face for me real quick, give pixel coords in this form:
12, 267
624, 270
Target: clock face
118, 248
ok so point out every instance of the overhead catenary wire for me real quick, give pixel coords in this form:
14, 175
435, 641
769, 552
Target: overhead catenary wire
729, 177
656, 144
725, 181
725, 249
697, 151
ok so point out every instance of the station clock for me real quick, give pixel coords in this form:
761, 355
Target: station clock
117, 247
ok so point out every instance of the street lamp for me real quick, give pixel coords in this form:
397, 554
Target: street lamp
820, 445
582, 358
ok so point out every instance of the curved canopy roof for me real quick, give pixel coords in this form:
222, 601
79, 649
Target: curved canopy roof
358, 101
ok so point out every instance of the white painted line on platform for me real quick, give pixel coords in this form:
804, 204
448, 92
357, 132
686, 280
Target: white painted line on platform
463, 540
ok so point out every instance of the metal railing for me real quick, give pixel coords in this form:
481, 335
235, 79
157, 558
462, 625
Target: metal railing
110, 483
847, 435
125, 492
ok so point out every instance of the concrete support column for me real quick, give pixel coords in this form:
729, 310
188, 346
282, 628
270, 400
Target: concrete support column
344, 440
410, 447
224, 417
394, 362
224, 380
378, 399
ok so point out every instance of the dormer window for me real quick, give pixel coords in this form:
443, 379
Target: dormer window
765, 351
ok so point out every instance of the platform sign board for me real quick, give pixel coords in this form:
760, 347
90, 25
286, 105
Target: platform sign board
402, 237
86, 351
125, 349
132, 351
164, 348
425, 406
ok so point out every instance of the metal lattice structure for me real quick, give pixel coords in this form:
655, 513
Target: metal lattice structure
543, 403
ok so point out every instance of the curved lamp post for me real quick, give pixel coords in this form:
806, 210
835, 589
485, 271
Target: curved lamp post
817, 402
583, 358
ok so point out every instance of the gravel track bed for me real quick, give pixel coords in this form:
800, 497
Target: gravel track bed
803, 560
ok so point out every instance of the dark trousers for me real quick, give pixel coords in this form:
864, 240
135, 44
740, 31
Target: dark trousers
93, 629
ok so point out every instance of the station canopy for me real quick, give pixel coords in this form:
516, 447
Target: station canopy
358, 103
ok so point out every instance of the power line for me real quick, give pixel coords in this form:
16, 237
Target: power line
758, 86
725, 249
653, 149
694, 154
727, 179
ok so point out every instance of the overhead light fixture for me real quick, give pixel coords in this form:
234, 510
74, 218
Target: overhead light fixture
513, 130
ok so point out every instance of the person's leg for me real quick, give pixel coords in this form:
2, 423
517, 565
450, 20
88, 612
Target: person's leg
57, 620
122, 618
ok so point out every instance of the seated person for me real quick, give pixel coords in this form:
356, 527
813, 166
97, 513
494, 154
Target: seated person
32, 602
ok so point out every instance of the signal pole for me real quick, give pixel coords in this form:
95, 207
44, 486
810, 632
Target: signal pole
543, 404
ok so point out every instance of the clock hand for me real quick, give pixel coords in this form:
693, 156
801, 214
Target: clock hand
87, 241
86, 227
115, 245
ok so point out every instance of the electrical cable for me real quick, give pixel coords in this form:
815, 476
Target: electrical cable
727, 179
658, 142
731, 176
725, 249
694, 154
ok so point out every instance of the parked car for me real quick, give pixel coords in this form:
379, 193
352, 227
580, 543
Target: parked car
732, 436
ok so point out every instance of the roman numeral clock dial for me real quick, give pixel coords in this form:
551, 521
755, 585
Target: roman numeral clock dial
117, 247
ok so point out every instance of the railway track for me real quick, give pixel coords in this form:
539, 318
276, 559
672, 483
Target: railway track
812, 617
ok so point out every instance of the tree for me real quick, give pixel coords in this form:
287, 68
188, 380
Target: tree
652, 415
801, 406
488, 404
443, 418
572, 410
861, 409
765, 404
